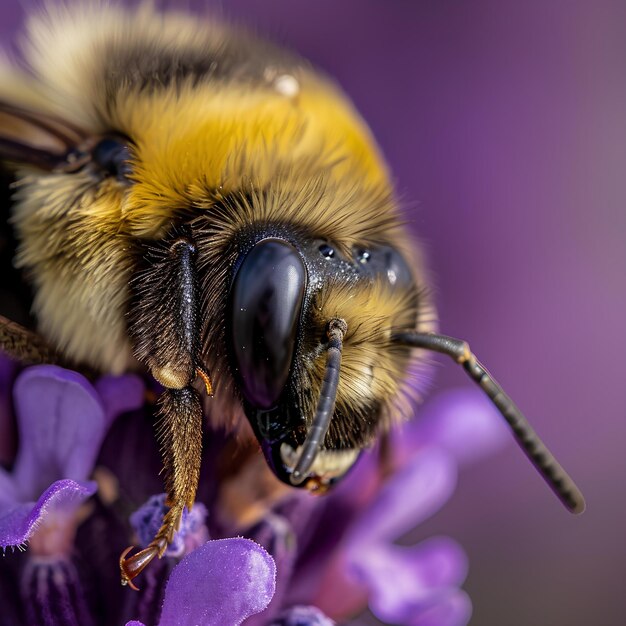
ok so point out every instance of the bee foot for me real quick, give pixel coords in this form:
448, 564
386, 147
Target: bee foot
131, 567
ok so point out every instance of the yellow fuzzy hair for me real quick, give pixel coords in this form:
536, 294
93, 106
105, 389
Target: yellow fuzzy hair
372, 368
193, 143
228, 151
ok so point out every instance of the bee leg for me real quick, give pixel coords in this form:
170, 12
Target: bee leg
24, 345
165, 325
180, 434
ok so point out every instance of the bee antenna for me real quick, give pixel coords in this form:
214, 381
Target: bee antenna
539, 455
325, 405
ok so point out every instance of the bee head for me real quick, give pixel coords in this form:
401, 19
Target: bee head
285, 296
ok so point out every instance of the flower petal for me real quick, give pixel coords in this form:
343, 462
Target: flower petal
19, 522
302, 616
7, 428
277, 536
8, 492
404, 582
120, 394
408, 498
451, 609
462, 421
192, 531
61, 422
222, 582
53, 593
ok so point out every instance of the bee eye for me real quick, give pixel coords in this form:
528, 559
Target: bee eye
384, 262
266, 296
397, 269
327, 251
362, 255
112, 155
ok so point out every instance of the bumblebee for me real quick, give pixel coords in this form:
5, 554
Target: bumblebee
196, 203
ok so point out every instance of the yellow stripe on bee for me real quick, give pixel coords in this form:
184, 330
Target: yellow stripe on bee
212, 137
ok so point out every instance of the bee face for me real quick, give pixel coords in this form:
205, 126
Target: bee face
278, 296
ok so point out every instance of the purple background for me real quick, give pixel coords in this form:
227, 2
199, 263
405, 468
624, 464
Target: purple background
505, 125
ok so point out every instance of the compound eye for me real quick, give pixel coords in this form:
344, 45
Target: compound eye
384, 262
267, 296
112, 154
396, 268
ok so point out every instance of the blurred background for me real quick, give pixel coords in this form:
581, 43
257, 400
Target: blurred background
505, 126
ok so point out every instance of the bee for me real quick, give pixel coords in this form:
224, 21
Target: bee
196, 203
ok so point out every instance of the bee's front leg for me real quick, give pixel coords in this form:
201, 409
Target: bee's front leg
180, 434
165, 326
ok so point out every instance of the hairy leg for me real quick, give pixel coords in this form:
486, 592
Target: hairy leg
165, 327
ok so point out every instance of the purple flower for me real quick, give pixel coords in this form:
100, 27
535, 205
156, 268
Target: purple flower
402, 585
7, 429
323, 560
221, 582
302, 616
62, 421
192, 532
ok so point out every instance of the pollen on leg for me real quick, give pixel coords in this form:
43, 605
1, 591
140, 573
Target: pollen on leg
170, 377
